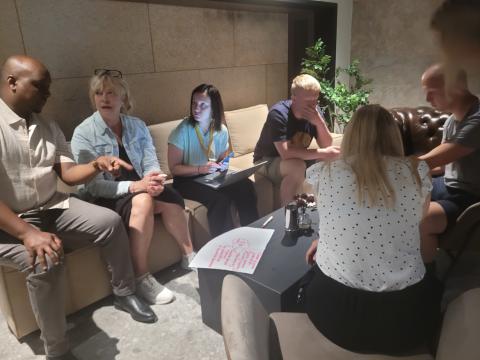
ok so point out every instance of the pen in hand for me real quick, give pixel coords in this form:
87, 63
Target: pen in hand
267, 221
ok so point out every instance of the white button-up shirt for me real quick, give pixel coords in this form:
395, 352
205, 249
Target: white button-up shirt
28, 154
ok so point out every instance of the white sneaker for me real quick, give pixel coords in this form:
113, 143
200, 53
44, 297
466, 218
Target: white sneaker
152, 291
186, 261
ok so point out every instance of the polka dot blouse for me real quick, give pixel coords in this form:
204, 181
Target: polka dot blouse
373, 248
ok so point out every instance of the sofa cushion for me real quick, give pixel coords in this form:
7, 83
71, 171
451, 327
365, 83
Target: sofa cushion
245, 126
242, 161
304, 341
460, 329
160, 134
336, 140
421, 128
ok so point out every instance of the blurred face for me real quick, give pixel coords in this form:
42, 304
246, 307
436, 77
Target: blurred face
32, 90
108, 102
436, 96
303, 99
202, 107
463, 53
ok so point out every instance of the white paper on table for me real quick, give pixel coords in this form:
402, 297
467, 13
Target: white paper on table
237, 250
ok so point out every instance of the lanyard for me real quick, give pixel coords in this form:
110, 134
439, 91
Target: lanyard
206, 150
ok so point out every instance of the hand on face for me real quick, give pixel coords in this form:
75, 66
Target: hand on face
311, 114
304, 105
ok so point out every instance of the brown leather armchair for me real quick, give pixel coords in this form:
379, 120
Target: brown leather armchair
422, 129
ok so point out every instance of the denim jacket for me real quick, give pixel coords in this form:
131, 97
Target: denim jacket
93, 138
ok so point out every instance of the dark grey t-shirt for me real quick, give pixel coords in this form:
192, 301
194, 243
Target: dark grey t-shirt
464, 173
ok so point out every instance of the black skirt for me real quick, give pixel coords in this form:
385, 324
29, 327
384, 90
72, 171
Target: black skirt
123, 205
393, 322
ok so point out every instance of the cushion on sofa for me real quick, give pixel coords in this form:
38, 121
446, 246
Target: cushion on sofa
421, 128
245, 126
304, 341
242, 161
461, 326
160, 134
336, 141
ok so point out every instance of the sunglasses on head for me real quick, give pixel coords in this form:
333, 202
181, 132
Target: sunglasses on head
109, 72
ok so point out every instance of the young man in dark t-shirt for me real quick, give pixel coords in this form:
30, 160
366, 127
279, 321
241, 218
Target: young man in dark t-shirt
458, 156
287, 133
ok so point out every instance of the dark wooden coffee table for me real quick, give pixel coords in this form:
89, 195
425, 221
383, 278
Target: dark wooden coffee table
275, 280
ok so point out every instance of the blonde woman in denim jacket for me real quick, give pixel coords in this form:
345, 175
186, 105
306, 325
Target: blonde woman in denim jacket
136, 195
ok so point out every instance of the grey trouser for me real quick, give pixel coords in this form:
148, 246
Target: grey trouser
79, 224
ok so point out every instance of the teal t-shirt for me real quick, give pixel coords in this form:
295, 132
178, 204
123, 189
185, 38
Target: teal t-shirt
185, 138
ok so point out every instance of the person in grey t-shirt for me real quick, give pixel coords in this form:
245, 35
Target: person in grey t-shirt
458, 156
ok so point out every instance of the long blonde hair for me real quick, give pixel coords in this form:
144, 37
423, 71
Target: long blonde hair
372, 134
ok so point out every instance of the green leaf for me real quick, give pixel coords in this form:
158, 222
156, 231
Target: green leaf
341, 100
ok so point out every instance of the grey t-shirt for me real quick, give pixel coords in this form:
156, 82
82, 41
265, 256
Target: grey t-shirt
464, 173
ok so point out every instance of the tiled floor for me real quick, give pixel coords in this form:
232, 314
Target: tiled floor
103, 333
100, 332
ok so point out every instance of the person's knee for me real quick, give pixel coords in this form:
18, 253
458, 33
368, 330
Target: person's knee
108, 222
179, 210
435, 220
161, 207
52, 272
428, 226
142, 205
293, 169
424, 226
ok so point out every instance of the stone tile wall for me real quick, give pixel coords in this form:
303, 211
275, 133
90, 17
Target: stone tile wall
164, 52
394, 44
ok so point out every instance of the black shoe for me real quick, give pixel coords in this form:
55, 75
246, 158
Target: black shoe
139, 310
66, 356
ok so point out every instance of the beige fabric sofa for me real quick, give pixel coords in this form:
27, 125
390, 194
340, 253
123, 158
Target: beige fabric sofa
250, 333
87, 278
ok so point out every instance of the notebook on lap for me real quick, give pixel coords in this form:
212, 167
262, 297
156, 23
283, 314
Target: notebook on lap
221, 179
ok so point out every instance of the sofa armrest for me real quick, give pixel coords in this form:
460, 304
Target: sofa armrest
461, 328
245, 322
466, 222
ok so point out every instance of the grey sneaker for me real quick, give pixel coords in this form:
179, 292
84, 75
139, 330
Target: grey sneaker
152, 291
186, 260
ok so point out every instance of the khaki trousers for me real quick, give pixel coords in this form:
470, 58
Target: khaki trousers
81, 223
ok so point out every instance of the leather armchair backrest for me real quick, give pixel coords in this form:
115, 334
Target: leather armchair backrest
421, 128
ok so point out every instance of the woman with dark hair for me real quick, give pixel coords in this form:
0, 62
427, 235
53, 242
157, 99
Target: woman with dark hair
370, 291
195, 148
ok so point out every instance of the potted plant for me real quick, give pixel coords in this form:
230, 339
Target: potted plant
338, 100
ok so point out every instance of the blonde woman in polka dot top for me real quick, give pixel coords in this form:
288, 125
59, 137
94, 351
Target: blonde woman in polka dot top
370, 291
